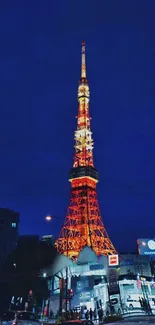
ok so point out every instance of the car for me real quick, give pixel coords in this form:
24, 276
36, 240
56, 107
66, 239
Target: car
132, 303
18, 317
77, 322
115, 307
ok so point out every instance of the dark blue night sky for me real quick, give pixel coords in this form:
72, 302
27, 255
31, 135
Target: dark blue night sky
40, 45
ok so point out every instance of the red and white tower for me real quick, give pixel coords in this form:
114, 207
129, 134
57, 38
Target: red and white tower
83, 225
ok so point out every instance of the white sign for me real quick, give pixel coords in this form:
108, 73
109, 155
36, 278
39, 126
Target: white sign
113, 260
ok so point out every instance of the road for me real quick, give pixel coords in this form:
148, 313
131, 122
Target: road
141, 320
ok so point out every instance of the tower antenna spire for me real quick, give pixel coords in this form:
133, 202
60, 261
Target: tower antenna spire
83, 59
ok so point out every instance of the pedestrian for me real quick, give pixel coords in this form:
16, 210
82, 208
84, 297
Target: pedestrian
95, 315
87, 315
100, 315
91, 314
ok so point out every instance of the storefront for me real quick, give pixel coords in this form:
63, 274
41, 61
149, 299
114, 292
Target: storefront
85, 284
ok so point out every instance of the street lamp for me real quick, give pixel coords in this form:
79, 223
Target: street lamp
49, 218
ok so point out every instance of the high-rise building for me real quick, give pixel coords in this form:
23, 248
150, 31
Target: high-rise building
48, 239
83, 225
28, 241
9, 221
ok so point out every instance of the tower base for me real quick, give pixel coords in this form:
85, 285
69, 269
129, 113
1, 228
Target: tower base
83, 225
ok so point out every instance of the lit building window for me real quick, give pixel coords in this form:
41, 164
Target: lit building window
13, 224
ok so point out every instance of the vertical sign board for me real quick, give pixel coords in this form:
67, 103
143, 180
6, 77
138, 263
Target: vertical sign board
113, 274
113, 282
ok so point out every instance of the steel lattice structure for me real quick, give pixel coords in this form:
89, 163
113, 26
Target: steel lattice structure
83, 225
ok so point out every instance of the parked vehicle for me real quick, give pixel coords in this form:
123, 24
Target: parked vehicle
132, 303
77, 322
115, 307
18, 317
152, 302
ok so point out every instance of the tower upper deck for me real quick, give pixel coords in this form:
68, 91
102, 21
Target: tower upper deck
83, 165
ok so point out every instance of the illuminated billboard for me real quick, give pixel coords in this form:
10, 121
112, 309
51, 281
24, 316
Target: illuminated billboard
146, 246
113, 260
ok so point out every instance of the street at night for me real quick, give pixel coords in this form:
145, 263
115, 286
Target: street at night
77, 168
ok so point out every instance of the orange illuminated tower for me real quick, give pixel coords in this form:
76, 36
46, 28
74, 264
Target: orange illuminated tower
83, 225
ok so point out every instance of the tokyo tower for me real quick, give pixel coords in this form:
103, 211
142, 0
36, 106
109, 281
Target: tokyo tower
83, 225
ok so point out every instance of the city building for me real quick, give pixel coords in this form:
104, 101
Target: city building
9, 221
92, 282
27, 241
20, 274
48, 239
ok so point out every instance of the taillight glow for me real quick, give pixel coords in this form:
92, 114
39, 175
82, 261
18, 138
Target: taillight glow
15, 322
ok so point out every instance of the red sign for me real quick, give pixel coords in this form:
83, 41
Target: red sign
138, 284
113, 260
45, 311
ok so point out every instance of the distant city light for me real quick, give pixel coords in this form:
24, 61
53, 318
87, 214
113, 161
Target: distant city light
143, 243
14, 225
44, 275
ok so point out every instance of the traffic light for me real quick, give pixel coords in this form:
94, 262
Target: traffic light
70, 293
30, 296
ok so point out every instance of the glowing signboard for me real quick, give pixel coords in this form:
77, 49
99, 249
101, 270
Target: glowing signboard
113, 260
146, 246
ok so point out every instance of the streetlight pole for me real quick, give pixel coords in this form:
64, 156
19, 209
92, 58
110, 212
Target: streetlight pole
49, 218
